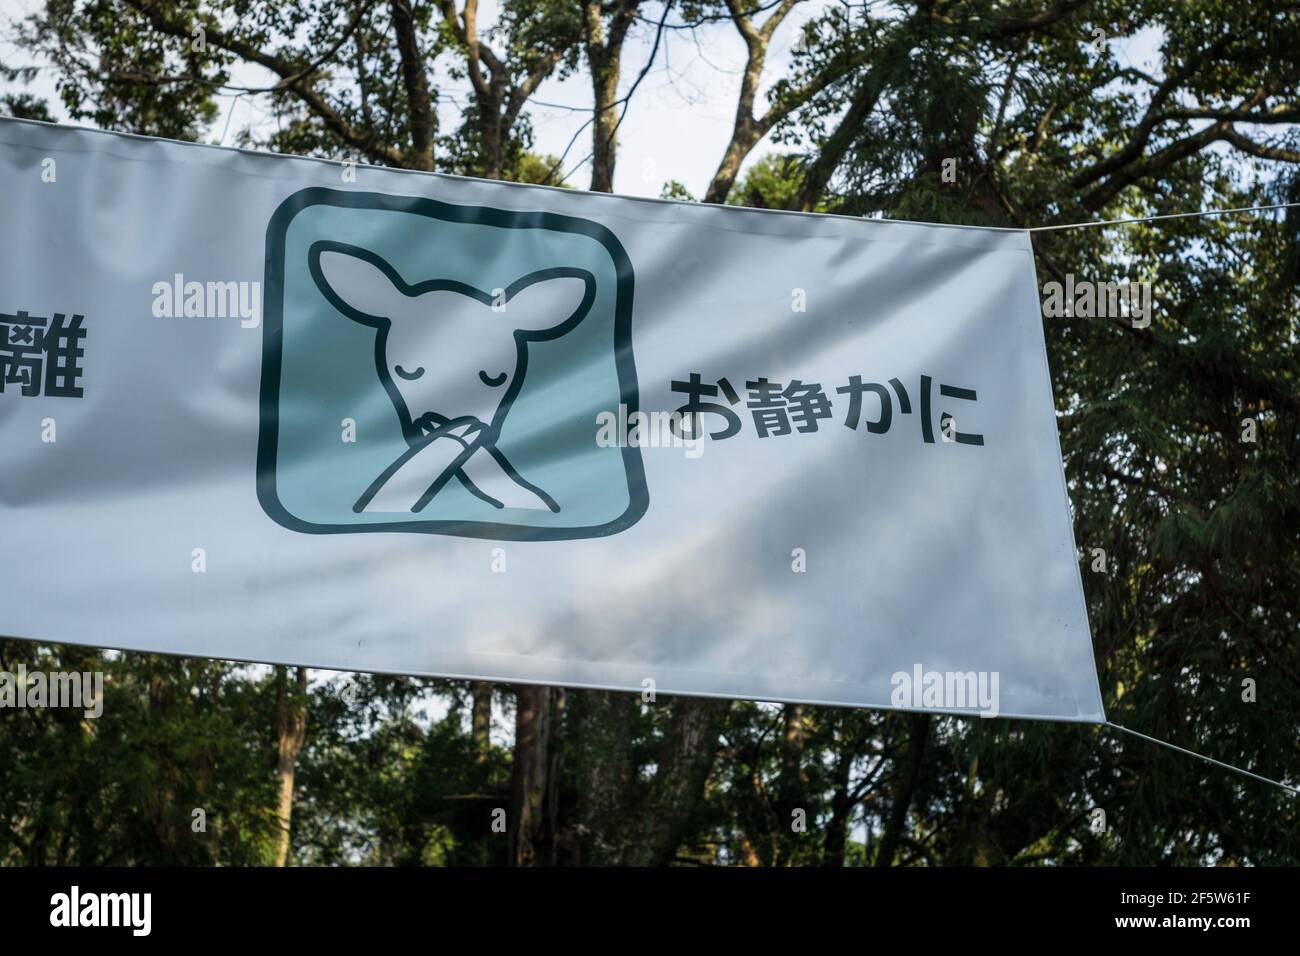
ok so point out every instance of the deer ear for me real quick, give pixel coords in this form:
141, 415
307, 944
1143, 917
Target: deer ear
551, 301
357, 282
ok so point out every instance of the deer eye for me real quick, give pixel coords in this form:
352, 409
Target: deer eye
491, 381
409, 376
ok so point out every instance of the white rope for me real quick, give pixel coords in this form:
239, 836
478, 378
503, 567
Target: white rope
1184, 215
1174, 215
1219, 763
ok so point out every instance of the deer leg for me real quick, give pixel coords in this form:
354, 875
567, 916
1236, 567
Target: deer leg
492, 474
410, 483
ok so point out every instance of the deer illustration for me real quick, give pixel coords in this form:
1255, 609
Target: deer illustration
452, 359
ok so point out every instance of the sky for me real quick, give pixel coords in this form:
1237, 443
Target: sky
678, 123
677, 127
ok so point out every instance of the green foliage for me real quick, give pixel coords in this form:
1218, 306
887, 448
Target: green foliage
673, 189
1200, 529
773, 182
120, 789
25, 106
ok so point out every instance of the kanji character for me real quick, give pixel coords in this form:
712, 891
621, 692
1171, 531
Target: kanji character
767, 404
22, 351
63, 346
808, 403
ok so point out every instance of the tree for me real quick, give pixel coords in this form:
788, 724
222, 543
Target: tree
990, 112
291, 732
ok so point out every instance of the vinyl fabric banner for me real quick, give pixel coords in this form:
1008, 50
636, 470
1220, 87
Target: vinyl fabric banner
276, 409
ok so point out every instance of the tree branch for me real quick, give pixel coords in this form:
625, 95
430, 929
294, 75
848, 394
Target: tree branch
417, 85
296, 81
1150, 119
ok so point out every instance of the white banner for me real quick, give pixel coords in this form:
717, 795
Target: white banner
276, 409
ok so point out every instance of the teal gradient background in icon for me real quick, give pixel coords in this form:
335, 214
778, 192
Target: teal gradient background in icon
319, 369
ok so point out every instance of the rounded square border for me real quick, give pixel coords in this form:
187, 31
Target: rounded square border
272, 353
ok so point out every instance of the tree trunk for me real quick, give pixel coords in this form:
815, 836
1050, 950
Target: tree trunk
481, 718
742, 143
604, 144
491, 135
605, 722
604, 59
164, 808
792, 754
529, 842
835, 841
555, 762
419, 101
678, 786
291, 726
918, 728
819, 172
